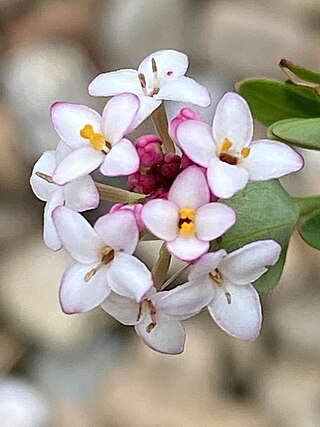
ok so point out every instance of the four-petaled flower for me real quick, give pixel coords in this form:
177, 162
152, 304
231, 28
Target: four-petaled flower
187, 221
235, 305
103, 259
228, 152
160, 76
79, 195
96, 140
157, 318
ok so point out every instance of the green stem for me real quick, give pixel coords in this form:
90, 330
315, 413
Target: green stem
159, 118
114, 194
161, 266
307, 205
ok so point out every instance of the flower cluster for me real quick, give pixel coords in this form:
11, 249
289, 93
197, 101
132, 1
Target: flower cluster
177, 186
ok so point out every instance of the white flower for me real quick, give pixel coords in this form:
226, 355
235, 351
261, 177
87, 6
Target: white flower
187, 221
96, 140
103, 259
228, 153
160, 76
157, 318
79, 195
235, 305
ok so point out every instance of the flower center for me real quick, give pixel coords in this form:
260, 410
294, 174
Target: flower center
107, 255
147, 306
186, 221
231, 159
97, 140
217, 277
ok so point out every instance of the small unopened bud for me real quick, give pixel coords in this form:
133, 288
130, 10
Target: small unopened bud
149, 150
184, 114
170, 167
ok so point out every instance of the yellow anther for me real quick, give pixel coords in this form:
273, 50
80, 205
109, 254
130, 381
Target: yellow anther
97, 140
187, 229
245, 152
187, 213
227, 144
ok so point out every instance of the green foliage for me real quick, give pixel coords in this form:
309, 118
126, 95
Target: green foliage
304, 133
310, 230
301, 72
271, 100
264, 211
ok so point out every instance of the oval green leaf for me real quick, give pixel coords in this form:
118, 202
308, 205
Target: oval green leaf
304, 133
271, 100
310, 230
301, 72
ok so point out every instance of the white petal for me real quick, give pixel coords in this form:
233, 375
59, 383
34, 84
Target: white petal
225, 180
207, 263
62, 151
161, 218
121, 160
69, 119
248, 263
147, 107
77, 164
168, 336
190, 189
271, 159
50, 235
79, 296
129, 277
242, 318
184, 89
119, 230
170, 64
77, 235
42, 188
212, 220
123, 309
186, 300
118, 116
115, 82
195, 139
233, 120
81, 195
187, 248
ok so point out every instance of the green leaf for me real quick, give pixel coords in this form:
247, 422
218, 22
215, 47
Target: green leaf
304, 133
310, 230
271, 100
301, 72
264, 211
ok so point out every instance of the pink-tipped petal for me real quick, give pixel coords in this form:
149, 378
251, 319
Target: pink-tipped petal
190, 189
77, 235
147, 107
213, 219
129, 277
161, 218
242, 317
50, 235
77, 164
69, 119
206, 264
184, 89
115, 82
42, 188
168, 336
123, 309
233, 120
118, 230
79, 296
195, 139
271, 159
122, 160
187, 248
186, 300
225, 180
81, 195
248, 263
169, 63
118, 115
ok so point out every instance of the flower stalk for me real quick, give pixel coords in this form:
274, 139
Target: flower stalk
160, 121
160, 269
113, 194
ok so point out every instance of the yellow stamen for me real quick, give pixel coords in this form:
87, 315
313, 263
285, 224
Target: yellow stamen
245, 152
186, 221
97, 140
187, 213
227, 144
187, 229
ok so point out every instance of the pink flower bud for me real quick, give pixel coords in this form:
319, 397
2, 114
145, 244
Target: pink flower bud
136, 209
141, 182
186, 162
171, 165
184, 114
160, 193
149, 150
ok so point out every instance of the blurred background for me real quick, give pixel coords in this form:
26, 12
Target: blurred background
86, 370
